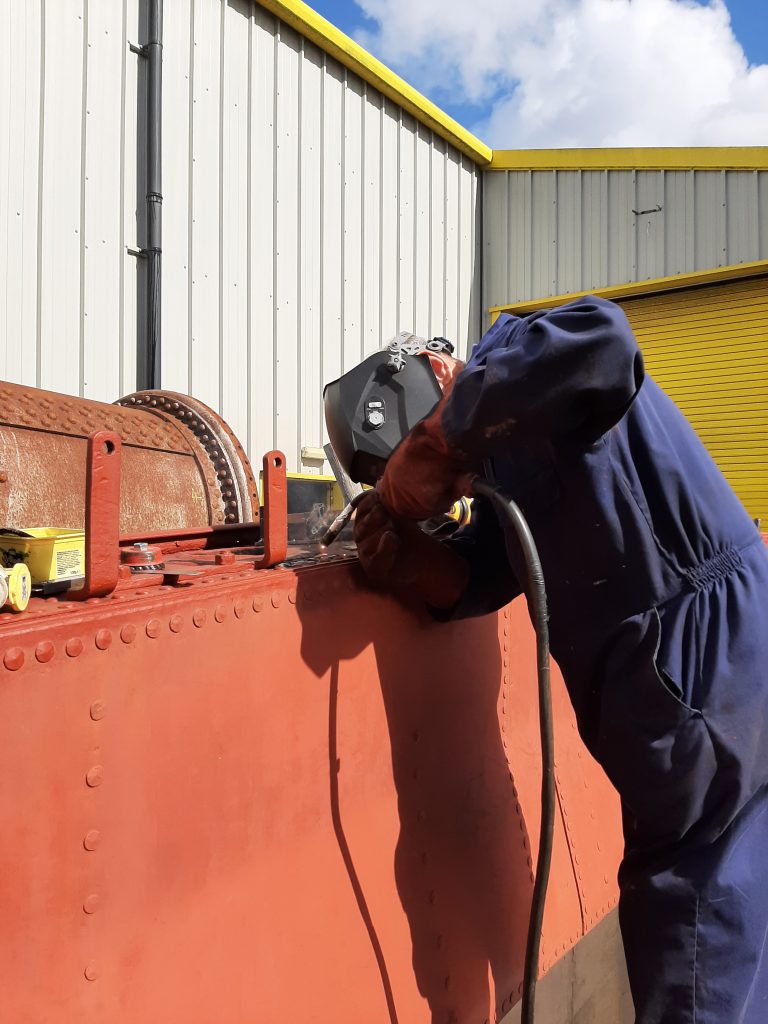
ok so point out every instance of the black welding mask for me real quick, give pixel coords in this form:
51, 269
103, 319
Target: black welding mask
371, 408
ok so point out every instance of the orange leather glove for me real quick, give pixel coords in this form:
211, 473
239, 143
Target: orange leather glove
425, 475
400, 555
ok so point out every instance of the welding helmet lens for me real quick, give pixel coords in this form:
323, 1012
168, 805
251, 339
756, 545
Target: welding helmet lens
370, 409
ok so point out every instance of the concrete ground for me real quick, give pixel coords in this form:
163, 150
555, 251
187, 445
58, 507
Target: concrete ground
588, 986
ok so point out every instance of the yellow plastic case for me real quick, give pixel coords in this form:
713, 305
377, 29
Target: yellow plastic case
52, 555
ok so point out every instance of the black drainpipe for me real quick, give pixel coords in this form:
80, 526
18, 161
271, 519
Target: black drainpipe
154, 187
152, 52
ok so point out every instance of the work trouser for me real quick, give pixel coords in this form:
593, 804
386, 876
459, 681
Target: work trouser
684, 738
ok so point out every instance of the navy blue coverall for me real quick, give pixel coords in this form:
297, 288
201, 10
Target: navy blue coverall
658, 593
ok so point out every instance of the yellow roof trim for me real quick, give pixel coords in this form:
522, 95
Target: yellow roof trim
314, 27
655, 285
724, 158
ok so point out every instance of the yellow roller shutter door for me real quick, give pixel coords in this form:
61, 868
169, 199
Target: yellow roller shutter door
708, 348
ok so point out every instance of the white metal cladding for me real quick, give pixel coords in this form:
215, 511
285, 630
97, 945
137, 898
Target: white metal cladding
305, 217
554, 232
67, 195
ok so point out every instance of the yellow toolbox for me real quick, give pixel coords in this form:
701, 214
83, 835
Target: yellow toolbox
52, 555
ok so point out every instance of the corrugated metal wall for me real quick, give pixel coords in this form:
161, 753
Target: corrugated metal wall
305, 217
554, 232
68, 195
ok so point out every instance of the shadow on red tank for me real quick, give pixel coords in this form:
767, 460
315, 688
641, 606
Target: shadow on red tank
461, 858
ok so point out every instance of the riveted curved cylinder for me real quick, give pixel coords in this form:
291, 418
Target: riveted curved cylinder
181, 464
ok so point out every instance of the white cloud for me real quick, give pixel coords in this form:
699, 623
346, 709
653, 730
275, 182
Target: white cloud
582, 72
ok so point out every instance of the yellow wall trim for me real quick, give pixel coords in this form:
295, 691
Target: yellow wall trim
314, 27
653, 286
751, 158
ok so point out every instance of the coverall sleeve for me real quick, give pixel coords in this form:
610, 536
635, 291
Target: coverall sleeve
492, 582
570, 372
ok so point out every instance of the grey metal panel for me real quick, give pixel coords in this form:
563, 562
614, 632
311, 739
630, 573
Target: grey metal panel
567, 243
709, 228
306, 219
649, 219
678, 222
594, 228
621, 228
554, 232
741, 202
544, 232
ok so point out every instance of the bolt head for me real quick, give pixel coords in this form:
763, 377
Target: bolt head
98, 710
103, 639
74, 647
92, 839
13, 659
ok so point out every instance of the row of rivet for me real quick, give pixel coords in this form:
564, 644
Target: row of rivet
92, 839
14, 657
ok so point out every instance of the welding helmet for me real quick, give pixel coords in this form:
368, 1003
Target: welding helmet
370, 409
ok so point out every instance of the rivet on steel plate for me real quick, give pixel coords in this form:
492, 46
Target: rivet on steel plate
3, 477
257, 604
98, 710
103, 639
92, 903
92, 839
239, 608
277, 599
44, 651
292, 596
128, 633
95, 776
199, 617
220, 613
13, 659
153, 628
74, 647
176, 623
91, 971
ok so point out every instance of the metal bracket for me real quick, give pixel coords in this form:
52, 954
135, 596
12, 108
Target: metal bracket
140, 254
102, 516
654, 209
274, 521
140, 51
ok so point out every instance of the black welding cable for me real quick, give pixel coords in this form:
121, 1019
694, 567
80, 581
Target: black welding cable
537, 607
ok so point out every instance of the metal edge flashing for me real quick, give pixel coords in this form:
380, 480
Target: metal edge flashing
637, 288
334, 42
724, 158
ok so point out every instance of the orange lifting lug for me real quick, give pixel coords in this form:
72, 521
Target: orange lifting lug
102, 516
274, 521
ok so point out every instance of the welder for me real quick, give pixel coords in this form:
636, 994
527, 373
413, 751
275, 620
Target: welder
658, 593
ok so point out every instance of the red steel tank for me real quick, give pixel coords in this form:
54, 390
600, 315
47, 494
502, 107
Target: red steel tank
240, 785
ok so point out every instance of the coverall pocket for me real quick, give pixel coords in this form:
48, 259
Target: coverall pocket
654, 747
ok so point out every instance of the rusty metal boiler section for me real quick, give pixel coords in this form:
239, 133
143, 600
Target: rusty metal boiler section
239, 793
181, 464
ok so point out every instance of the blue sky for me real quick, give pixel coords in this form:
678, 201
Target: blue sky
578, 72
